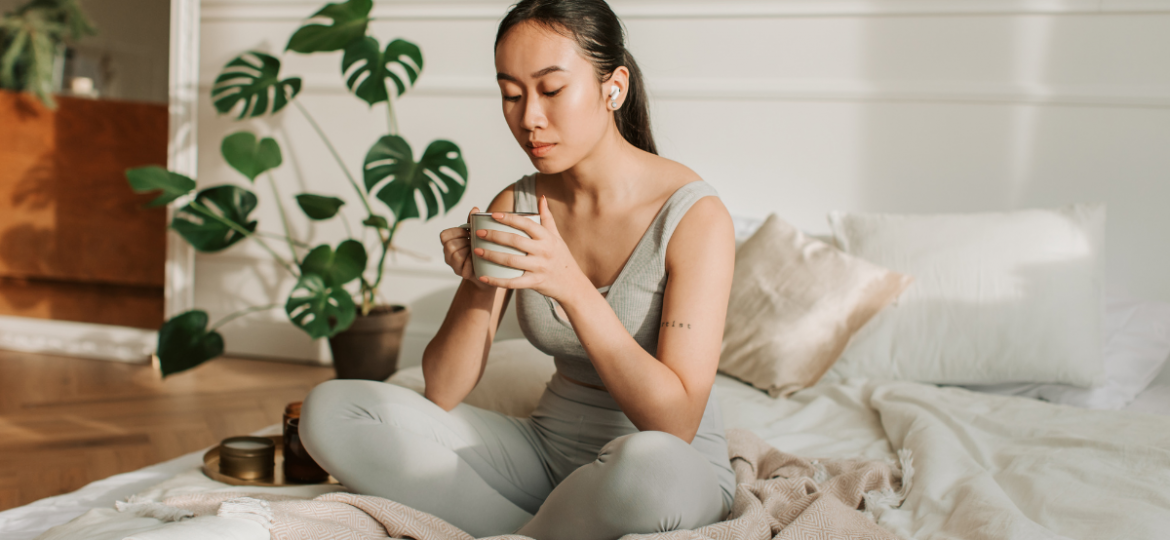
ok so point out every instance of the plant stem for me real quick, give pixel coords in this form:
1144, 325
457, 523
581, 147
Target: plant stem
391, 120
239, 314
232, 225
275, 236
385, 249
283, 216
336, 156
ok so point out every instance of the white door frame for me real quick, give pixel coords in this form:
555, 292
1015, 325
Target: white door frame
121, 343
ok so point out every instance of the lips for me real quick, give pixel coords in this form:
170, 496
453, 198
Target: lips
540, 149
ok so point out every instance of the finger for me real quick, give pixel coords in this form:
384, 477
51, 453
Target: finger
527, 225
456, 245
474, 210
546, 217
519, 262
512, 240
448, 235
522, 282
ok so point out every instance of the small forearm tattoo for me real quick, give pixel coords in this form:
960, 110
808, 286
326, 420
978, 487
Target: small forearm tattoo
675, 324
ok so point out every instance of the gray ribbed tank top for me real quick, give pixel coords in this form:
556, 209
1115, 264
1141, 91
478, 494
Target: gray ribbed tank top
635, 295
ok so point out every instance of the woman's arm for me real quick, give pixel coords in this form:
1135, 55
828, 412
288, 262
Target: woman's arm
667, 393
454, 360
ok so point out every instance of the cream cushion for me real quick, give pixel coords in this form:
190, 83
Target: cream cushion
795, 302
512, 382
999, 297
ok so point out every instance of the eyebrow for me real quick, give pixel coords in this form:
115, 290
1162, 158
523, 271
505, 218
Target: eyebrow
535, 75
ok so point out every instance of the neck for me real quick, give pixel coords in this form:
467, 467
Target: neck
601, 175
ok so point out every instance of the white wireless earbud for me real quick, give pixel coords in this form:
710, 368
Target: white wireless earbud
614, 91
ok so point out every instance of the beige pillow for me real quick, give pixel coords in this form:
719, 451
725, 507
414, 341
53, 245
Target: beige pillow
795, 302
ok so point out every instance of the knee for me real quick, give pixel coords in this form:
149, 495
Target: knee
662, 482
336, 403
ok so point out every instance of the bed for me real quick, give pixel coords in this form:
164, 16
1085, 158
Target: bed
990, 460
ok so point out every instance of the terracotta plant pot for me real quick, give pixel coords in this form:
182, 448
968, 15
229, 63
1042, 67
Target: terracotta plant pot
368, 349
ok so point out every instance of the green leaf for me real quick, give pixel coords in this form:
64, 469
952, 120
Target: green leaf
374, 67
228, 204
252, 158
336, 267
253, 78
349, 23
173, 185
377, 222
319, 206
319, 309
394, 177
184, 342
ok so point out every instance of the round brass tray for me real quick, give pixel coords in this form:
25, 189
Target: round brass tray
211, 469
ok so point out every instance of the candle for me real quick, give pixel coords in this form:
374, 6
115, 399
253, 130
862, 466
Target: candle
247, 458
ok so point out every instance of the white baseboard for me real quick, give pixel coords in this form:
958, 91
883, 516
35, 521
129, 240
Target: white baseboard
98, 341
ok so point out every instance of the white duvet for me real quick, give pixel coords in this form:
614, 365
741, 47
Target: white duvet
987, 466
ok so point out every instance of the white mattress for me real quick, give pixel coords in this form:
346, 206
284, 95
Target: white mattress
827, 422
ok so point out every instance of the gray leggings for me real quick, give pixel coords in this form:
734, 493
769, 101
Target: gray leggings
491, 474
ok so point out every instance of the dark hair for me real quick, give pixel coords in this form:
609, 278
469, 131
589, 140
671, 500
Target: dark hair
599, 33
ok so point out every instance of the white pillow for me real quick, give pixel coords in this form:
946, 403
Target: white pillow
1137, 346
998, 297
512, 382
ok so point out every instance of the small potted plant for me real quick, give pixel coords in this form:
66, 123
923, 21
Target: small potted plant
334, 296
32, 45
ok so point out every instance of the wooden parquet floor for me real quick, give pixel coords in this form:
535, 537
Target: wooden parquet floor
65, 422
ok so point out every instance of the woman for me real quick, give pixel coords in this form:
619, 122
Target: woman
626, 284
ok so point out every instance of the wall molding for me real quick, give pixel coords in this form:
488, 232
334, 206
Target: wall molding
182, 149
775, 89
84, 340
493, 10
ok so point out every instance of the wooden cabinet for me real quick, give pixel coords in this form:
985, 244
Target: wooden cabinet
75, 242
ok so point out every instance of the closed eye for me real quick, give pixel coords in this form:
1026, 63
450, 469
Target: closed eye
512, 99
554, 92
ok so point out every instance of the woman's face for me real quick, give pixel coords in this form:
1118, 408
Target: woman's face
553, 102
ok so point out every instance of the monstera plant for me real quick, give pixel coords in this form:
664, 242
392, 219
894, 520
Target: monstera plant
335, 285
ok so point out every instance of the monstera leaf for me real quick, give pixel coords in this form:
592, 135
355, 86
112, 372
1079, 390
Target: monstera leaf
339, 267
253, 78
173, 185
227, 204
349, 23
368, 80
319, 207
184, 342
394, 177
319, 309
252, 158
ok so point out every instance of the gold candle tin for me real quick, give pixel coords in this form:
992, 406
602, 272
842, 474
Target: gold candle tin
247, 458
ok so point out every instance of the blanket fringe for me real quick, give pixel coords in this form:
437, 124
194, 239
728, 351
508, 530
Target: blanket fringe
248, 508
153, 509
878, 502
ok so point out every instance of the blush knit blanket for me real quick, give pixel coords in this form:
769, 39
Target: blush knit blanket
778, 496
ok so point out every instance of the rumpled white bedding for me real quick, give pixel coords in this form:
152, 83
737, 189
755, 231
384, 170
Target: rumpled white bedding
988, 466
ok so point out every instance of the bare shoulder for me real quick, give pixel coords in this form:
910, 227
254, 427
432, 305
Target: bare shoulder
705, 232
504, 201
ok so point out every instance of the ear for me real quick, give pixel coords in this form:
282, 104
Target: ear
621, 79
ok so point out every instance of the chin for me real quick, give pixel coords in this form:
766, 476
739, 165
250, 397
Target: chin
549, 166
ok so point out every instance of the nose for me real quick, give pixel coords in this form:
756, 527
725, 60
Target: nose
533, 115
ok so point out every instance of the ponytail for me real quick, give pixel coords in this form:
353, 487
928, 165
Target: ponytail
600, 35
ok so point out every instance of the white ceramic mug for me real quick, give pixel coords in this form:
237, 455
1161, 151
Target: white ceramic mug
483, 220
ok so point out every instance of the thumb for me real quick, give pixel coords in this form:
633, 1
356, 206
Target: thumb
546, 217
474, 210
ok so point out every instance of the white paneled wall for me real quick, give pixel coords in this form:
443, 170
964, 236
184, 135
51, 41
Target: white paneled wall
789, 106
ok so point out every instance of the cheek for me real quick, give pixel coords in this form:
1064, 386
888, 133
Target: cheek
578, 119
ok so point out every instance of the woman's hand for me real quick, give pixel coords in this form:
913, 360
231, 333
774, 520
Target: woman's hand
457, 252
549, 268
